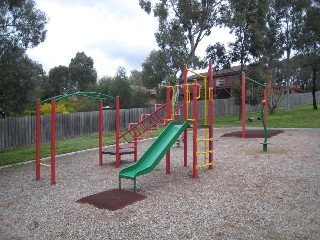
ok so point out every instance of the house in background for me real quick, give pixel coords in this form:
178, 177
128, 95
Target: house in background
223, 81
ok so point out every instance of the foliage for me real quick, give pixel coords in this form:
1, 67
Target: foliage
119, 85
63, 107
22, 26
19, 78
246, 20
139, 98
57, 82
161, 96
81, 72
236, 93
309, 43
219, 56
182, 26
135, 78
154, 69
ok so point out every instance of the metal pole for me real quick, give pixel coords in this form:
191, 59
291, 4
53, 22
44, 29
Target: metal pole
136, 139
38, 136
185, 99
169, 115
117, 132
195, 128
211, 112
243, 104
265, 106
53, 141
100, 132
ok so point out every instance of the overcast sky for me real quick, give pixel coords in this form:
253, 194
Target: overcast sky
113, 33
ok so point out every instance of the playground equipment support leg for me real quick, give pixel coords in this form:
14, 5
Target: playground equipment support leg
53, 141
117, 132
169, 115
243, 104
211, 112
38, 136
195, 131
136, 139
100, 132
265, 143
185, 98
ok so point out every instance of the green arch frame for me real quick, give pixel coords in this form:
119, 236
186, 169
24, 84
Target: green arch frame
93, 95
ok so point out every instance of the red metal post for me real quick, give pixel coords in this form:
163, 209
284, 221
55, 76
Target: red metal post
117, 132
53, 141
100, 132
169, 115
243, 104
136, 139
185, 99
38, 135
211, 112
265, 106
195, 128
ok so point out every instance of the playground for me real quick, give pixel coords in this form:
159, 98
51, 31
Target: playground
190, 182
249, 194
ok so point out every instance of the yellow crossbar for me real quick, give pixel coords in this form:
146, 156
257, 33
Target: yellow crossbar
199, 153
204, 165
45, 165
204, 139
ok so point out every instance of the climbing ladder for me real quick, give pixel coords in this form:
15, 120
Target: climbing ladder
147, 123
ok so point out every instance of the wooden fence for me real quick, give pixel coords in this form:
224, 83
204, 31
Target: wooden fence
17, 132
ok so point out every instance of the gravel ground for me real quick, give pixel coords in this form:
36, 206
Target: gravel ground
248, 194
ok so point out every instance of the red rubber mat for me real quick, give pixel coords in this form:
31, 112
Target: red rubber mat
112, 199
252, 133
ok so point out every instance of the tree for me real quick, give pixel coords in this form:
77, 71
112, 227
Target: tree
246, 20
57, 82
219, 56
290, 15
121, 87
22, 26
309, 44
154, 69
135, 77
182, 26
82, 74
19, 78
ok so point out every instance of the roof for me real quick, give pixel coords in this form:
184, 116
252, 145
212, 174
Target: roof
235, 70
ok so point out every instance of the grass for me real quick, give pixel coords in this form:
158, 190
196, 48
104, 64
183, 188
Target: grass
299, 117
23, 154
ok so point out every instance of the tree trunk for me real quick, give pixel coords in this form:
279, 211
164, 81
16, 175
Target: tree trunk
314, 88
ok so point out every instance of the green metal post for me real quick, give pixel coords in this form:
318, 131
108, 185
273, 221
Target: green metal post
265, 143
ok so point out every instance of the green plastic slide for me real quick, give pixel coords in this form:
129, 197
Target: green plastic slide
154, 154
